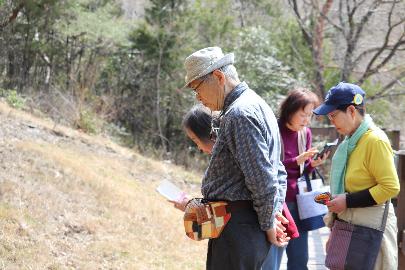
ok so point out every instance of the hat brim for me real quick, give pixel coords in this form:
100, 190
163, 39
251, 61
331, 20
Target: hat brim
324, 109
226, 60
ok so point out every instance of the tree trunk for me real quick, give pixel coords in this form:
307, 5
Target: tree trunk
157, 81
317, 51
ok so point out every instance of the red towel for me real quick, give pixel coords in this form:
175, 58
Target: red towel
291, 227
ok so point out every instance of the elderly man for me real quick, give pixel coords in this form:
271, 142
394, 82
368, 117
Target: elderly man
245, 168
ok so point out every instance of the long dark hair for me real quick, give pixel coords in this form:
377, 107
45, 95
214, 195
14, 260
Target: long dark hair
198, 119
296, 99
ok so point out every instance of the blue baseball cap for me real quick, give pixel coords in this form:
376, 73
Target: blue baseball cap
341, 94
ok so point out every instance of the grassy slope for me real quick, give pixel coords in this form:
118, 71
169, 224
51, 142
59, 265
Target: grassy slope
81, 202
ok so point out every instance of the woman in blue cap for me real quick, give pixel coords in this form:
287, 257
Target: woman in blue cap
363, 175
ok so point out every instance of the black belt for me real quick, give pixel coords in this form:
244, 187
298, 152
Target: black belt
234, 206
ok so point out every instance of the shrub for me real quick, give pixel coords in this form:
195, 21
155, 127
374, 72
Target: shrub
88, 122
13, 98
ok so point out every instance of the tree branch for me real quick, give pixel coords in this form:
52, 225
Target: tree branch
318, 35
371, 50
382, 92
307, 36
342, 21
396, 94
338, 27
369, 69
365, 19
13, 15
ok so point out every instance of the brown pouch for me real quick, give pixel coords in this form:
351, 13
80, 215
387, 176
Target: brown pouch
205, 220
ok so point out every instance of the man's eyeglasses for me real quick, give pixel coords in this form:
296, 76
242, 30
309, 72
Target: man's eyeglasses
196, 88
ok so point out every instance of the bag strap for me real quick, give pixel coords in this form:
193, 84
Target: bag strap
282, 154
302, 144
385, 215
316, 172
309, 186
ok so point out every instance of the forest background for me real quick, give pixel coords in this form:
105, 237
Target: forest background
116, 67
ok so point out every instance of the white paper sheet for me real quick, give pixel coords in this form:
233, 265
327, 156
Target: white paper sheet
169, 190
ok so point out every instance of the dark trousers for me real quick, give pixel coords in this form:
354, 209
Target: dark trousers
297, 249
242, 245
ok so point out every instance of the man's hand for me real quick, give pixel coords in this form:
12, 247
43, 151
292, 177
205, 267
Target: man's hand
279, 227
281, 218
276, 235
338, 204
275, 240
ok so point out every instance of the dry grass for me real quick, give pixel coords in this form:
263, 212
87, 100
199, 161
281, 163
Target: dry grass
63, 206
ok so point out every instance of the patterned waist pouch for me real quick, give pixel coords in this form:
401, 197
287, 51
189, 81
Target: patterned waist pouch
204, 219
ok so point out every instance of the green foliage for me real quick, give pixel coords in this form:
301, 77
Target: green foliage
158, 37
157, 42
331, 76
13, 98
87, 54
380, 111
156, 45
88, 122
212, 24
118, 134
100, 21
258, 63
380, 108
292, 48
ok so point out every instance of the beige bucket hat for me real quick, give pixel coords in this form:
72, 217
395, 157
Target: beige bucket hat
205, 61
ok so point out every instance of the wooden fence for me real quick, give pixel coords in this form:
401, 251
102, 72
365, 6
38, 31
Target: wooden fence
325, 132
331, 134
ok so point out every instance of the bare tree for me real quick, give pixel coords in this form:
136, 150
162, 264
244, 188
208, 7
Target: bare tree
313, 28
355, 25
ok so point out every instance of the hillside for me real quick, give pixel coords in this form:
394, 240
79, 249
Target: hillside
72, 201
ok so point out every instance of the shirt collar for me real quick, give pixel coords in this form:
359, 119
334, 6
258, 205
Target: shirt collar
234, 95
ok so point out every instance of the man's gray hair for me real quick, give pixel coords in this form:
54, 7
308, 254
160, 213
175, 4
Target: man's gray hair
228, 70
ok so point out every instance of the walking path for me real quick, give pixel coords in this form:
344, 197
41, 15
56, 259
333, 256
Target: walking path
316, 243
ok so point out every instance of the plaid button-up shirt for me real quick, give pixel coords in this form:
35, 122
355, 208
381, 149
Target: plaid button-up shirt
245, 162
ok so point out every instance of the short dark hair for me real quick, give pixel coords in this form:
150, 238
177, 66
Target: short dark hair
360, 108
198, 119
296, 99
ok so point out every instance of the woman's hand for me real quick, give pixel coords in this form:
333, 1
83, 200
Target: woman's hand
338, 204
319, 161
306, 155
181, 202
